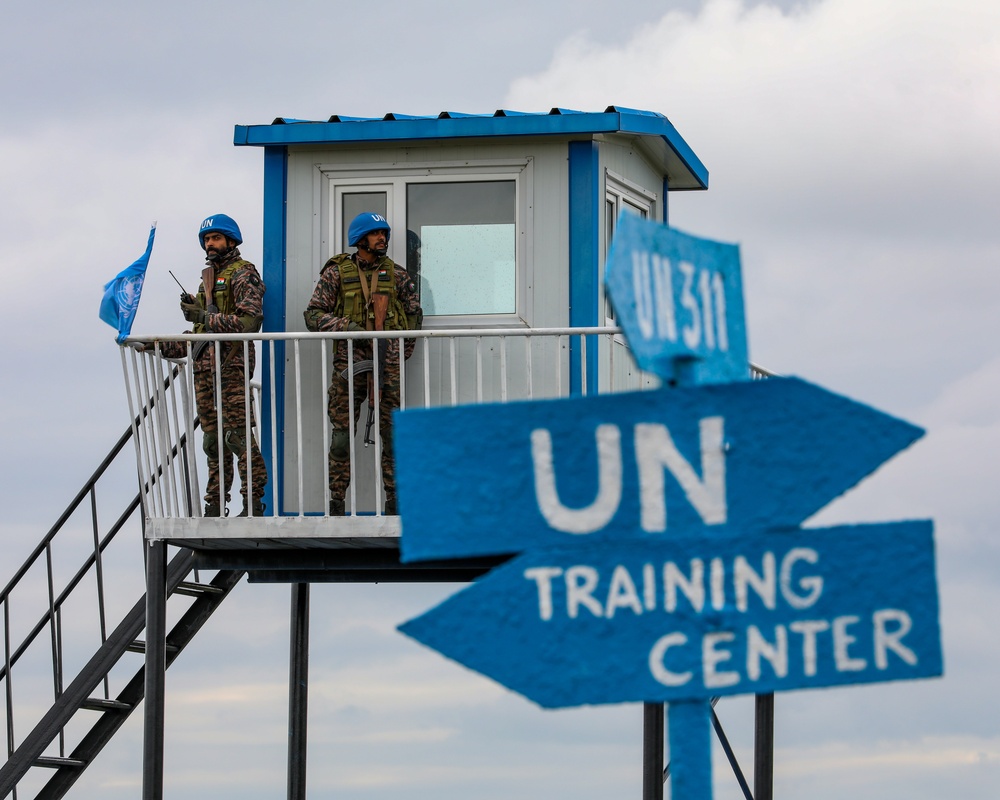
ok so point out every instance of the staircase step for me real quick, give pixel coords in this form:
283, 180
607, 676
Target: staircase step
55, 762
100, 704
139, 646
197, 589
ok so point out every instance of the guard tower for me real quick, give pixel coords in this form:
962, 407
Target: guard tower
503, 221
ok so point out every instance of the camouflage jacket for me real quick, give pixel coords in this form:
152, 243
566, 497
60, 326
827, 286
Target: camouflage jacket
246, 291
326, 303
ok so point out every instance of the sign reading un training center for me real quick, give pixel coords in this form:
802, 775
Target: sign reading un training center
693, 617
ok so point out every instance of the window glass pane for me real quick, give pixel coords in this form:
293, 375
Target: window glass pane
461, 242
610, 219
616, 202
355, 203
634, 208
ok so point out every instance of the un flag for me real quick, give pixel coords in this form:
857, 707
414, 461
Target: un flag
121, 295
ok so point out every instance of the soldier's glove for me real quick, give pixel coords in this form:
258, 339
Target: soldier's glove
187, 298
193, 312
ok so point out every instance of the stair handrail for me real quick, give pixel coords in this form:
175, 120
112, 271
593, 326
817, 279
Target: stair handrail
55, 602
74, 504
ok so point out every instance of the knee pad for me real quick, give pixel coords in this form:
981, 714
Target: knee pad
236, 441
340, 445
210, 444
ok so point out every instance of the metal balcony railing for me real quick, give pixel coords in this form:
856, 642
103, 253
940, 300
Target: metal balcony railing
448, 367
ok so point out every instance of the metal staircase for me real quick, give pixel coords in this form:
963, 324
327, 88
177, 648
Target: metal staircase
106, 689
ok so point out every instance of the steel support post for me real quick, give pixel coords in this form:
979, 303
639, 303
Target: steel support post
298, 692
763, 747
155, 671
653, 740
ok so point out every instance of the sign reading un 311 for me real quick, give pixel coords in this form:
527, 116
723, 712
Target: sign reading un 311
679, 300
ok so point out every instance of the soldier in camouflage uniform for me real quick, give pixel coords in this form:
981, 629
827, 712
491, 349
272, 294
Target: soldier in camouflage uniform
237, 307
343, 301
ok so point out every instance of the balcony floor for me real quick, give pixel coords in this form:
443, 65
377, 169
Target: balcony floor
362, 532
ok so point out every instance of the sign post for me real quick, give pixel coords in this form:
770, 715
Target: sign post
658, 553
710, 342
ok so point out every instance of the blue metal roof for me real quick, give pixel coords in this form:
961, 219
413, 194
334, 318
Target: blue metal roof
678, 161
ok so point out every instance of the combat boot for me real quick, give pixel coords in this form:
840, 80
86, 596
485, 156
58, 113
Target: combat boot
337, 508
258, 508
390, 505
214, 510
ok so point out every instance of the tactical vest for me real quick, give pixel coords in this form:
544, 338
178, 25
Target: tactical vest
222, 291
351, 302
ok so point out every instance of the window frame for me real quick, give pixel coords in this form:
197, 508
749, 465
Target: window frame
337, 180
620, 191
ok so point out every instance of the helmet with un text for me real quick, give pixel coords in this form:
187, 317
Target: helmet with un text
220, 223
366, 223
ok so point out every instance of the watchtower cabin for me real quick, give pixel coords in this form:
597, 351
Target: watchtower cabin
503, 222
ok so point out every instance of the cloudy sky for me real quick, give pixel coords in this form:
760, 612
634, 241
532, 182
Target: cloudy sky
852, 148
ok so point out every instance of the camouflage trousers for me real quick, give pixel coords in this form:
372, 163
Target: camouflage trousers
338, 409
232, 443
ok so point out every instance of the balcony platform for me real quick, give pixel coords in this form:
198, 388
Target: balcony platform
361, 532
309, 549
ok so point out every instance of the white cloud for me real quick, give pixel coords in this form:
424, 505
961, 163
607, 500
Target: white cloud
430, 683
900, 767
834, 78
851, 148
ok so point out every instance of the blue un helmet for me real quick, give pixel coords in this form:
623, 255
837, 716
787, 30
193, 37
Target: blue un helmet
220, 223
366, 223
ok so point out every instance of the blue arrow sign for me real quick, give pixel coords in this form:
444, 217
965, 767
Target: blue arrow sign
494, 479
679, 301
691, 618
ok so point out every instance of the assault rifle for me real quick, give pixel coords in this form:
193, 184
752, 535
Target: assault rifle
360, 368
381, 304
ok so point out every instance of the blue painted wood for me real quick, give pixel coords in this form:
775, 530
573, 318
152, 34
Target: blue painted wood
679, 301
585, 208
690, 736
478, 480
693, 173
692, 617
275, 237
273, 272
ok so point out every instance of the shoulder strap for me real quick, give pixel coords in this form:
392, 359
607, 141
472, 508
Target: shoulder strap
343, 262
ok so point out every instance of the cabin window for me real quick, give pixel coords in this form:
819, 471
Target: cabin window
621, 196
457, 230
462, 244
